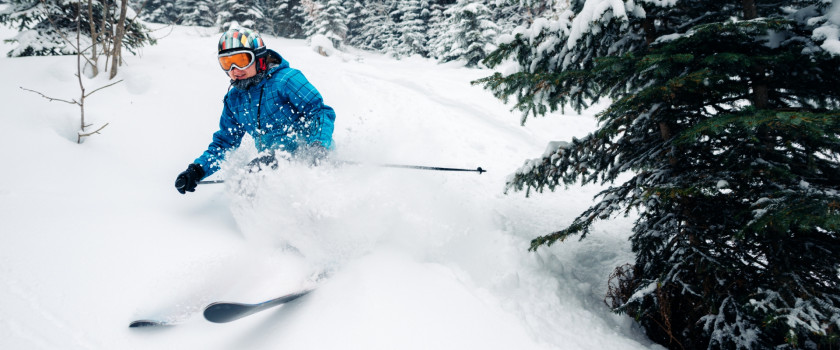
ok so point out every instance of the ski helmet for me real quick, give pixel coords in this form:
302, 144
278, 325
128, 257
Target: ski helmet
242, 38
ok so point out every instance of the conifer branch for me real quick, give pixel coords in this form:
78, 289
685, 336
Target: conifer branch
734, 140
68, 41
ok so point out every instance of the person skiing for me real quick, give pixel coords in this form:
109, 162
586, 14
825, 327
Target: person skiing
267, 99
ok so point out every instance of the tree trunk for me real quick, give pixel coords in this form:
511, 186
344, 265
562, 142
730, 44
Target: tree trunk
665, 132
94, 36
116, 57
119, 33
81, 102
750, 11
650, 30
761, 96
107, 28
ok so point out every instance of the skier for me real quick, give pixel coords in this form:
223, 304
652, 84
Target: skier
272, 102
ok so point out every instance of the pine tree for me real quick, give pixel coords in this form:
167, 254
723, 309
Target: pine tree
196, 12
471, 33
43, 27
376, 30
157, 11
726, 116
287, 18
37, 36
410, 17
437, 28
356, 13
509, 14
330, 20
246, 13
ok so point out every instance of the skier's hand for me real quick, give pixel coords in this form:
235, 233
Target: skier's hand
188, 180
265, 161
313, 154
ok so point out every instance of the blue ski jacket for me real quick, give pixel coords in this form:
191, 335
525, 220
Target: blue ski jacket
282, 112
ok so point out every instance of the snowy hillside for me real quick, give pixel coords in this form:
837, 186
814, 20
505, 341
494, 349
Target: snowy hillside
94, 236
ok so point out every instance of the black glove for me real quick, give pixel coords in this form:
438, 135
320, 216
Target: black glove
188, 180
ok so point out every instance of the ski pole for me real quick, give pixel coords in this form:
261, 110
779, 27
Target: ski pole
479, 170
205, 182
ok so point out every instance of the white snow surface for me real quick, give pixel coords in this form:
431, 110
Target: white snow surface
93, 236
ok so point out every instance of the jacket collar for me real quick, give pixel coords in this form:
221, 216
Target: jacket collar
263, 76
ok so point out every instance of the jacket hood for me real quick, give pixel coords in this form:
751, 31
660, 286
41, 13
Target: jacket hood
283, 64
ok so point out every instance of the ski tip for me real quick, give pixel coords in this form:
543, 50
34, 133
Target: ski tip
224, 312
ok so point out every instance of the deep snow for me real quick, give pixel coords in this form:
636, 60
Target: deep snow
94, 236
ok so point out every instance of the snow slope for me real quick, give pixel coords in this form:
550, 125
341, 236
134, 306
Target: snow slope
93, 236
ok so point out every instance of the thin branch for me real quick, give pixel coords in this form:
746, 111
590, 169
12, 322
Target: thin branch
74, 102
165, 26
79, 138
171, 28
109, 85
138, 11
93, 132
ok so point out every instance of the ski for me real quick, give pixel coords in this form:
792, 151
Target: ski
149, 323
223, 312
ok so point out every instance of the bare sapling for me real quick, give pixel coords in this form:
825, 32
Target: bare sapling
85, 129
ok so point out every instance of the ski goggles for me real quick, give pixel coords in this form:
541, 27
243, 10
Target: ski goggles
240, 59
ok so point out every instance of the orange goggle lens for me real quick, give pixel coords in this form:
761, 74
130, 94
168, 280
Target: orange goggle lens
240, 59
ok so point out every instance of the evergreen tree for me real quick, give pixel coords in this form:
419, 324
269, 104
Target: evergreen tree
727, 116
509, 14
196, 12
157, 11
438, 27
470, 33
287, 18
330, 20
376, 30
356, 13
410, 17
247, 13
43, 27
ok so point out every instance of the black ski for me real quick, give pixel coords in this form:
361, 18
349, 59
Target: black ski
149, 323
223, 312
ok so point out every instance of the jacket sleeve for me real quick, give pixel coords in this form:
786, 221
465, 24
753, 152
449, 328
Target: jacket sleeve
228, 137
319, 119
